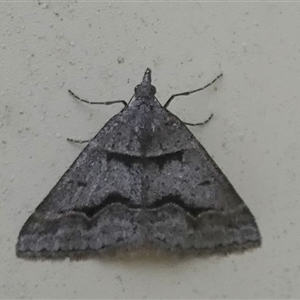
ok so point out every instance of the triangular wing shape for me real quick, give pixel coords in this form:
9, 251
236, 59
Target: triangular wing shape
143, 179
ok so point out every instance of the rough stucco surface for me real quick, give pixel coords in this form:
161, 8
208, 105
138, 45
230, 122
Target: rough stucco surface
100, 51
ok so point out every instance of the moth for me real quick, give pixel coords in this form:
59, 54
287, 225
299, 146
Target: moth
143, 181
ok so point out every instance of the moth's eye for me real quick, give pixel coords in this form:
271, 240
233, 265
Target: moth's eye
153, 90
136, 88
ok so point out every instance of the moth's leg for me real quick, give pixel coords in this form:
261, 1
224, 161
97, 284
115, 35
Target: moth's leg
77, 141
198, 124
105, 103
90, 102
191, 92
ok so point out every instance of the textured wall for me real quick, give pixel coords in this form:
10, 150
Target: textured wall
100, 51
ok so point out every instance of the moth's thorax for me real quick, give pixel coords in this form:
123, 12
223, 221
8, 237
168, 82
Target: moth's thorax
143, 103
141, 115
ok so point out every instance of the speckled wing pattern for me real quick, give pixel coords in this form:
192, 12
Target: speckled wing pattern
143, 180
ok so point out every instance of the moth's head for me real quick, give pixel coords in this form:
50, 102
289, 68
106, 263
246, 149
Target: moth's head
145, 89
